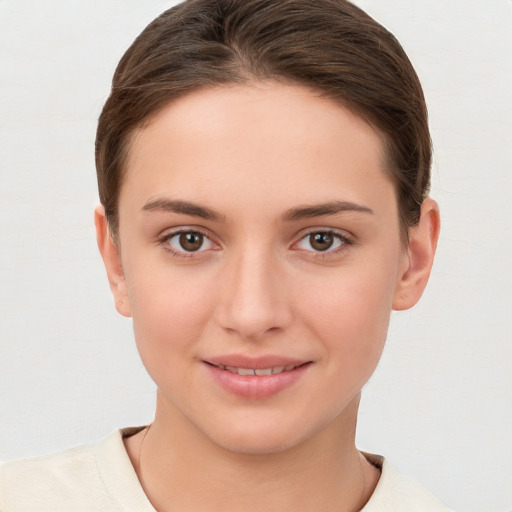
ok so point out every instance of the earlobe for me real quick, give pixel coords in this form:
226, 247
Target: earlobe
112, 259
420, 257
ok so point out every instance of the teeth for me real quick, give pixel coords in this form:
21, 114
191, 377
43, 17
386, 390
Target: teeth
260, 371
263, 371
246, 371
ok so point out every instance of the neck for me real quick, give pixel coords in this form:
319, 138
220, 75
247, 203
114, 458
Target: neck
180, 469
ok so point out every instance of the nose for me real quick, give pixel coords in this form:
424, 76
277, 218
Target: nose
253, 296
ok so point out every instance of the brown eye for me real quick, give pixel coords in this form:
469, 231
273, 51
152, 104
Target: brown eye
188, 243
191, 241
321, 241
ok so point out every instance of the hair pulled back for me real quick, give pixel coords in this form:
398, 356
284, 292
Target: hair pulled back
329, 45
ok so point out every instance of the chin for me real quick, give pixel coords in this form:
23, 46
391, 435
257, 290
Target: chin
257, 444
260, 436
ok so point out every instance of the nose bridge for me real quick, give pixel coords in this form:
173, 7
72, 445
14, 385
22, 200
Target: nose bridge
253, 299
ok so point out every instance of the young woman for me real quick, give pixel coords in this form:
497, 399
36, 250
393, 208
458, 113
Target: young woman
263, 169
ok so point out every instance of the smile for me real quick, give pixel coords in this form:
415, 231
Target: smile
275, 370
269, 378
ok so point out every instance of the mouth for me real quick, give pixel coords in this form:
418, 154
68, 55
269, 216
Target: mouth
256, 379
271, 370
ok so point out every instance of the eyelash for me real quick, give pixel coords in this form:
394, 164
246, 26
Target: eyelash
165, 242
344, 242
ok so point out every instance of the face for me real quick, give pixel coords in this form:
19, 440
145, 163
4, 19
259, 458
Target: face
260, 258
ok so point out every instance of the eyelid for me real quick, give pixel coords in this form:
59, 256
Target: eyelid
346, 239
184, 228
167, 235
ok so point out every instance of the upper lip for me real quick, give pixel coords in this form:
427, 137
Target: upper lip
256, 363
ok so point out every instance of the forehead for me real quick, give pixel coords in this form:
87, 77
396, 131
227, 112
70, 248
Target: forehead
263, 140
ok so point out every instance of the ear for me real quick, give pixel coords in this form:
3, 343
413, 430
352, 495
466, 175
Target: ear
419, 258
112, 259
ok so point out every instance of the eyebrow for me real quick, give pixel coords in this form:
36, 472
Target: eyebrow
294, 214
184, 207
319, 210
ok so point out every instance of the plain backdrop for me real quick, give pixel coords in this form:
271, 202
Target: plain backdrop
440, 404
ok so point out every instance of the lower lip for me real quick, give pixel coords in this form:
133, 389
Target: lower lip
256, 387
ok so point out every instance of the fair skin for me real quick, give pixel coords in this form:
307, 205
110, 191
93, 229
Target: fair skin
259, 230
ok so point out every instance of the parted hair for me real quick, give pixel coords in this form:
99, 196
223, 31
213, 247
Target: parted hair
331, 46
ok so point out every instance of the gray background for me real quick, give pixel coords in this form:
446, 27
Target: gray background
439, 406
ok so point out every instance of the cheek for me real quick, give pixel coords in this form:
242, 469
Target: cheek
350, 313
169, 313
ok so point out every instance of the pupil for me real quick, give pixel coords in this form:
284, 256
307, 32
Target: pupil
321, 241
191, 241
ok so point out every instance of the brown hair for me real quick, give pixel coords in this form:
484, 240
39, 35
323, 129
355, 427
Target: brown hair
329, 45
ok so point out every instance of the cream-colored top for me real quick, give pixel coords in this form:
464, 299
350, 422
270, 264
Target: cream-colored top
100, 477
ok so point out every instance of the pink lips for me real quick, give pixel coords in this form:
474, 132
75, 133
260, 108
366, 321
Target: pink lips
255, 378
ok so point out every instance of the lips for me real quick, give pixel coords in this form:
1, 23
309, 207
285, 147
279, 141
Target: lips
255, 378
273, 370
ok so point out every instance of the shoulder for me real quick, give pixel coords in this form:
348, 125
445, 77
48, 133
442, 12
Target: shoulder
396, 493
91, 477
27, 484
